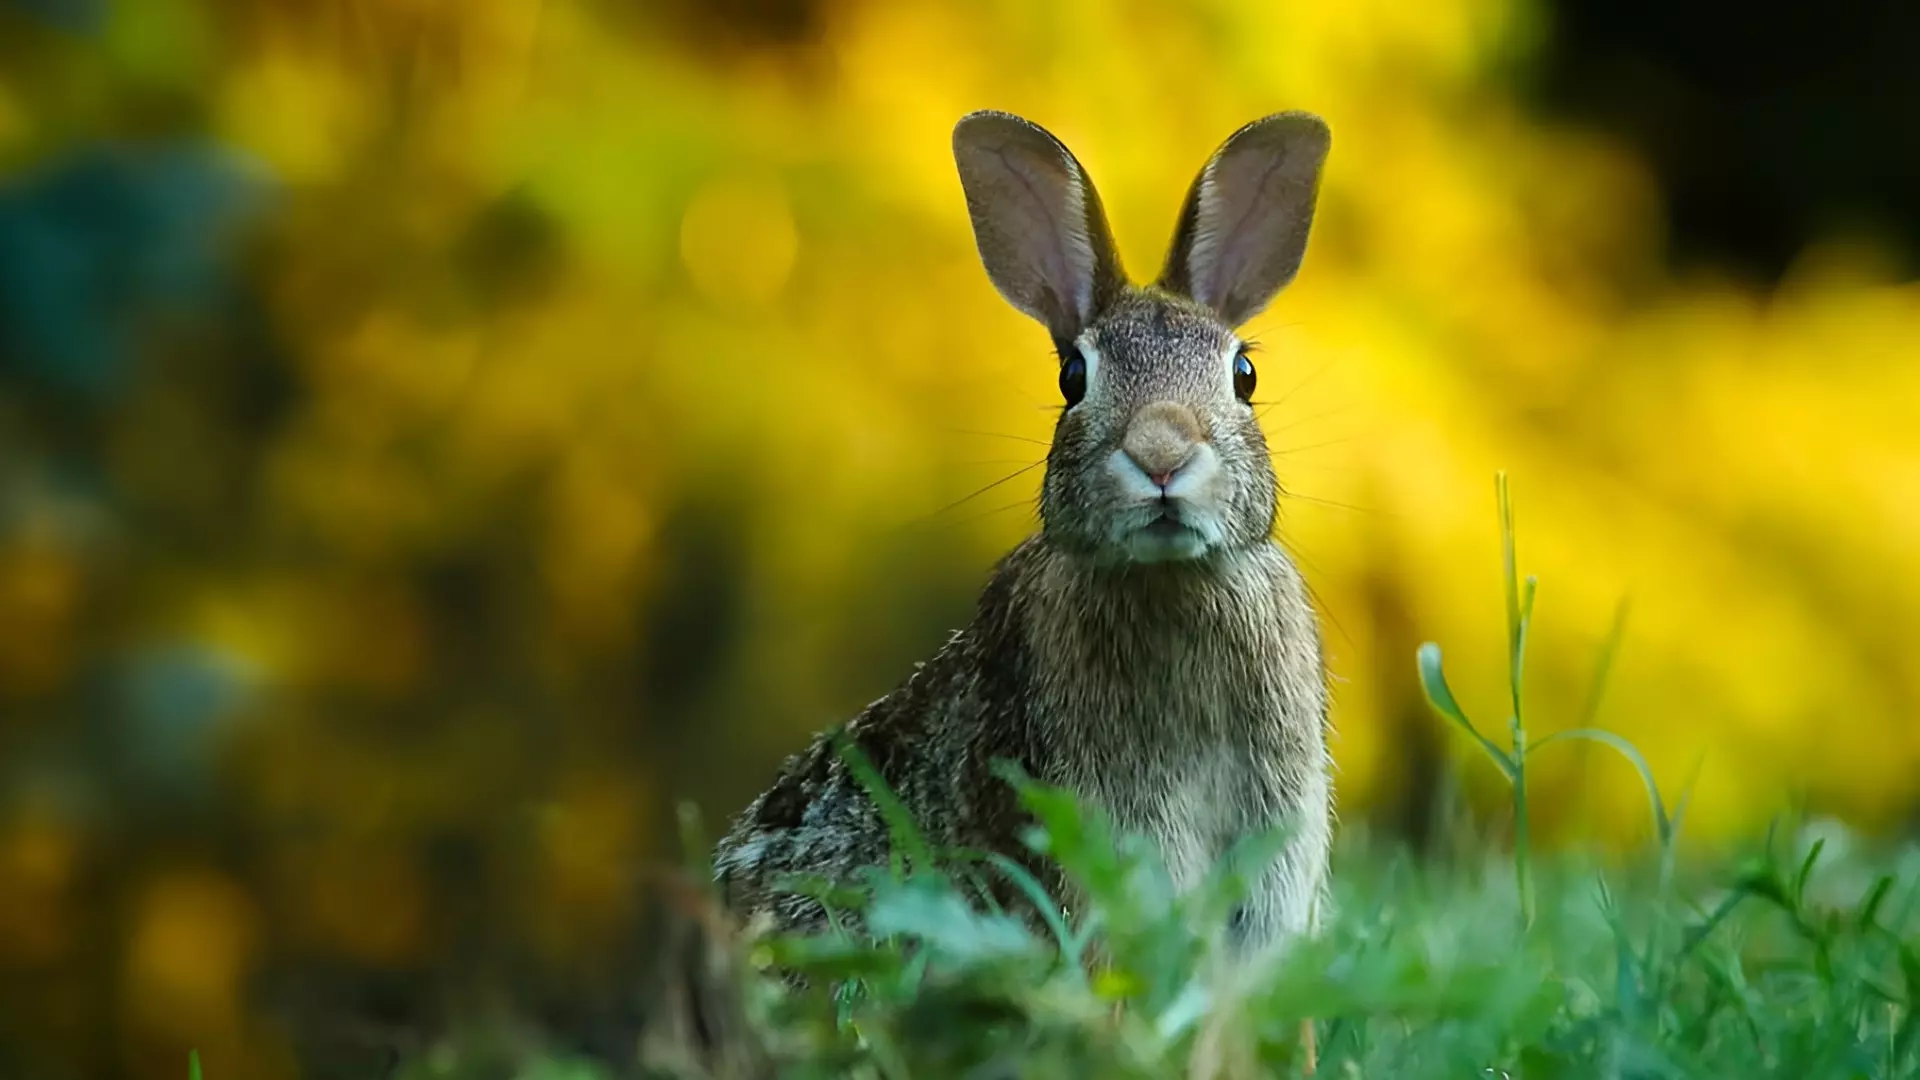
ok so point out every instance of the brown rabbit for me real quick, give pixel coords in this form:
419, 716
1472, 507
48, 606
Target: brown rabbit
1151, 648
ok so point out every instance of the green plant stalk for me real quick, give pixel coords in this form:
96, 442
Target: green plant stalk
1522, 829
1519, 617
1512, 760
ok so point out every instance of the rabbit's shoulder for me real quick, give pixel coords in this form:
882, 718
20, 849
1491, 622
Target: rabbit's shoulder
933, 742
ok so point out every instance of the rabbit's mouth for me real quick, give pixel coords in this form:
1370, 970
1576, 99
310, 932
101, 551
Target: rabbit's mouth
1167, 525
1165, 537
1172, 519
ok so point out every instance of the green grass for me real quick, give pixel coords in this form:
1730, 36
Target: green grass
1795, 959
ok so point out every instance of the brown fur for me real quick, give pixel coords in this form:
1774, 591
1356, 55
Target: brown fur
1182, 693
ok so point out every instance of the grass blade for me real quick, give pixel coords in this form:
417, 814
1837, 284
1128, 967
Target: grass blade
904, 833
1662, 823
1510, 566
1036, 893
1603, 667
1433, 680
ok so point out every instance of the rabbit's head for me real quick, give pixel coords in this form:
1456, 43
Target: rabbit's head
1157, 456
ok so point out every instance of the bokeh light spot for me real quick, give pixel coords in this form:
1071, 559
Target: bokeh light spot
738, 241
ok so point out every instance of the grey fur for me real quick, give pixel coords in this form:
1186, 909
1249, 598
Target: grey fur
1155, 653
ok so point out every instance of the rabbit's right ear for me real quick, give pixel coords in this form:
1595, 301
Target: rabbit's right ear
1243, 230
1037, 221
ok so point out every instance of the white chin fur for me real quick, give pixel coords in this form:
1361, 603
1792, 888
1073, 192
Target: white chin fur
1191, 491
1143, 546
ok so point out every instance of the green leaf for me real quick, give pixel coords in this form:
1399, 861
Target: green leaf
1509, 565
905, 835
1869, 914
193, 1065
1626, 977
832, 957
833, 895
1434, 681
1761, 878
1678, 816
1186, 1010
1662, 824
1522, 631
1806, 871
1048, 907
1078, 838
1909, 1030
1603, 667
923, 910
1249, 857
1699, 932
1115, 984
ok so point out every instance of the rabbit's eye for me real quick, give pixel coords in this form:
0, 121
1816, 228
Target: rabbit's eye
1243, 377
1073, 379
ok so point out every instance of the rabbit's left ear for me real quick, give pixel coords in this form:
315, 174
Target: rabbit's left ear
1243, 230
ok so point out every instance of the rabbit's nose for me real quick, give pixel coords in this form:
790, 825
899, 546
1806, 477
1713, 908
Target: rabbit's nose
1161, 438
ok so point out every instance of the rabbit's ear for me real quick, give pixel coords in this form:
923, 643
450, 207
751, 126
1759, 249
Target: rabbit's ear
1037, 221
1243, 230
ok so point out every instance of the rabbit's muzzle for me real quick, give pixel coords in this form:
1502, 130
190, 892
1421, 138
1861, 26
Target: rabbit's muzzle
1167, 480
1161, 440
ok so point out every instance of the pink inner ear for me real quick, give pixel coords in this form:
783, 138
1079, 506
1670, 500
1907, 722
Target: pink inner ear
1034, 217
1252, 210
1236, 225
1207, 261
1050, 208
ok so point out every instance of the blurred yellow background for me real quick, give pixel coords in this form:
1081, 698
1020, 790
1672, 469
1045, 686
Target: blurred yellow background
567, 402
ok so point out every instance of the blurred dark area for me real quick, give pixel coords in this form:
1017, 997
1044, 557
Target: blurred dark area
369, 592
1768, 125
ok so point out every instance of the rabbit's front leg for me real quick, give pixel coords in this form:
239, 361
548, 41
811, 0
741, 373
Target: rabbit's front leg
1283, 902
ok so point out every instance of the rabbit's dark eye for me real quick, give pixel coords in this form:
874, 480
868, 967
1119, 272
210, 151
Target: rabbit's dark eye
1243, 377
1073, 379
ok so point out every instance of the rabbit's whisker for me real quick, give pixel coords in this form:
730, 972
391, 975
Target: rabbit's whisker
998, 435
1324, 467
1319, 603
1335, 504
963, 500
1268, 406
1309, 446
985, 514
1289, 394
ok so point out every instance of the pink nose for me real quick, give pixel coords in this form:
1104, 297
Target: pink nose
1161, 438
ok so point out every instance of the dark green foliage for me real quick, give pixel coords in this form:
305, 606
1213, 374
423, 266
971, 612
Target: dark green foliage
1798, 961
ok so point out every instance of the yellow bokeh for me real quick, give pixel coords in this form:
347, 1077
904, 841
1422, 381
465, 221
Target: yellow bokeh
738, 242
772, 292
191, 936
610, 396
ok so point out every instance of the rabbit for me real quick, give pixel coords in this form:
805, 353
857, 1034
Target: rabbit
1151, 648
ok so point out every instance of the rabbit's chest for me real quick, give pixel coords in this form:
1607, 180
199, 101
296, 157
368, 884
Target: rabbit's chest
1194, 714
1193, 764
1192, 809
